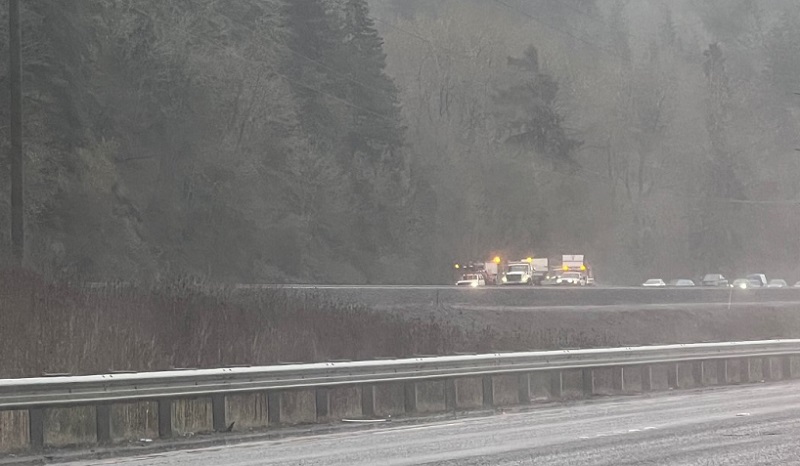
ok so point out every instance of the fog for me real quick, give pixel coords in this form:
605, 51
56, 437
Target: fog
355, 141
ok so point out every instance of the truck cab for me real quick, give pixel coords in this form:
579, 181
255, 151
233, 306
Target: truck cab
518, 273
577, 263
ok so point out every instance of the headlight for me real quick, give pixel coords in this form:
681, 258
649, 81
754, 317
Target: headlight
504, 279
742, 285
473, 284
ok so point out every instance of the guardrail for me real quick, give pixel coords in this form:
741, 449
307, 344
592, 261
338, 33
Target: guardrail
296, 393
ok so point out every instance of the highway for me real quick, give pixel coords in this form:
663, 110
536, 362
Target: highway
746, 425
432, 297
406, 299
389, 297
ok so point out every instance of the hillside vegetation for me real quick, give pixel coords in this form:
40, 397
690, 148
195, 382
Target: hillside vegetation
376, 142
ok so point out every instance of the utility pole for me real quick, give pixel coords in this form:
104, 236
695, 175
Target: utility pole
15, 78
796, 211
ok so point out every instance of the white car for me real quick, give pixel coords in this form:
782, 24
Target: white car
571, 278
680, 282
743, 284
777, 283
471, 279
654, 282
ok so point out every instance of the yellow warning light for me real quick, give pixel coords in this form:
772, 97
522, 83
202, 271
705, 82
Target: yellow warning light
529, 259
566, 267
583, 267
496, 259
457, 266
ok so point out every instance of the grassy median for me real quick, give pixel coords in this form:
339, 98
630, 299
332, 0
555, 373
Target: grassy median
58, 328
51, 328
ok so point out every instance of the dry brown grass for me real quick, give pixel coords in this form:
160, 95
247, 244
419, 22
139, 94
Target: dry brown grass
57, 328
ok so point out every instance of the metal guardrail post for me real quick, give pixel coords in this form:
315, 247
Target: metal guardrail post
618, 379
36, 427
322, 401
164, 418
587, 377
647, 378
766, 368
672, 375
556, 384
698, 373
273, 407
525, 388
722, 371
744, 370
450, 401
786, 367
218, 412
488, 391
410, 397
368, 400
103, 422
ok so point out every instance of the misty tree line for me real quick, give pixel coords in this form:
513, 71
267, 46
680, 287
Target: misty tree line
683, 112
235, 140
281, 140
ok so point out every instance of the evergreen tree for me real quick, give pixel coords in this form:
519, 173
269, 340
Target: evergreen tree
317, 87
526, 110
377, 126
374, 155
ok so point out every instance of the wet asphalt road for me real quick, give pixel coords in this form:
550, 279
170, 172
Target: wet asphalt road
432, 297
746, 425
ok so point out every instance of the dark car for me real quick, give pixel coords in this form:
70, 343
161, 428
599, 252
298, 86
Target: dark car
758, 279
714, 279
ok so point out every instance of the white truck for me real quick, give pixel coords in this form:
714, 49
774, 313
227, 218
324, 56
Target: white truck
519, 273
541, 267
488, 269
576, 266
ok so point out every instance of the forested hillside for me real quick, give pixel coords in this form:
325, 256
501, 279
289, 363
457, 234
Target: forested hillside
354, 141
679, 124
236, 140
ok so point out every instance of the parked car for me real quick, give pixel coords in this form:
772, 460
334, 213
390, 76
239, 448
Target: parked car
681, 282
654, 282
777, 283
571, 278
744, 283
551, 278
758, 279
714, 279
797, 285
472, 279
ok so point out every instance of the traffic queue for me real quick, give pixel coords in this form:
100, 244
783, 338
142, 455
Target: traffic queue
749, 281
574, 270
571, 270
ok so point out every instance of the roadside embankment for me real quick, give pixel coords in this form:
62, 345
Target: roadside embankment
58, 328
